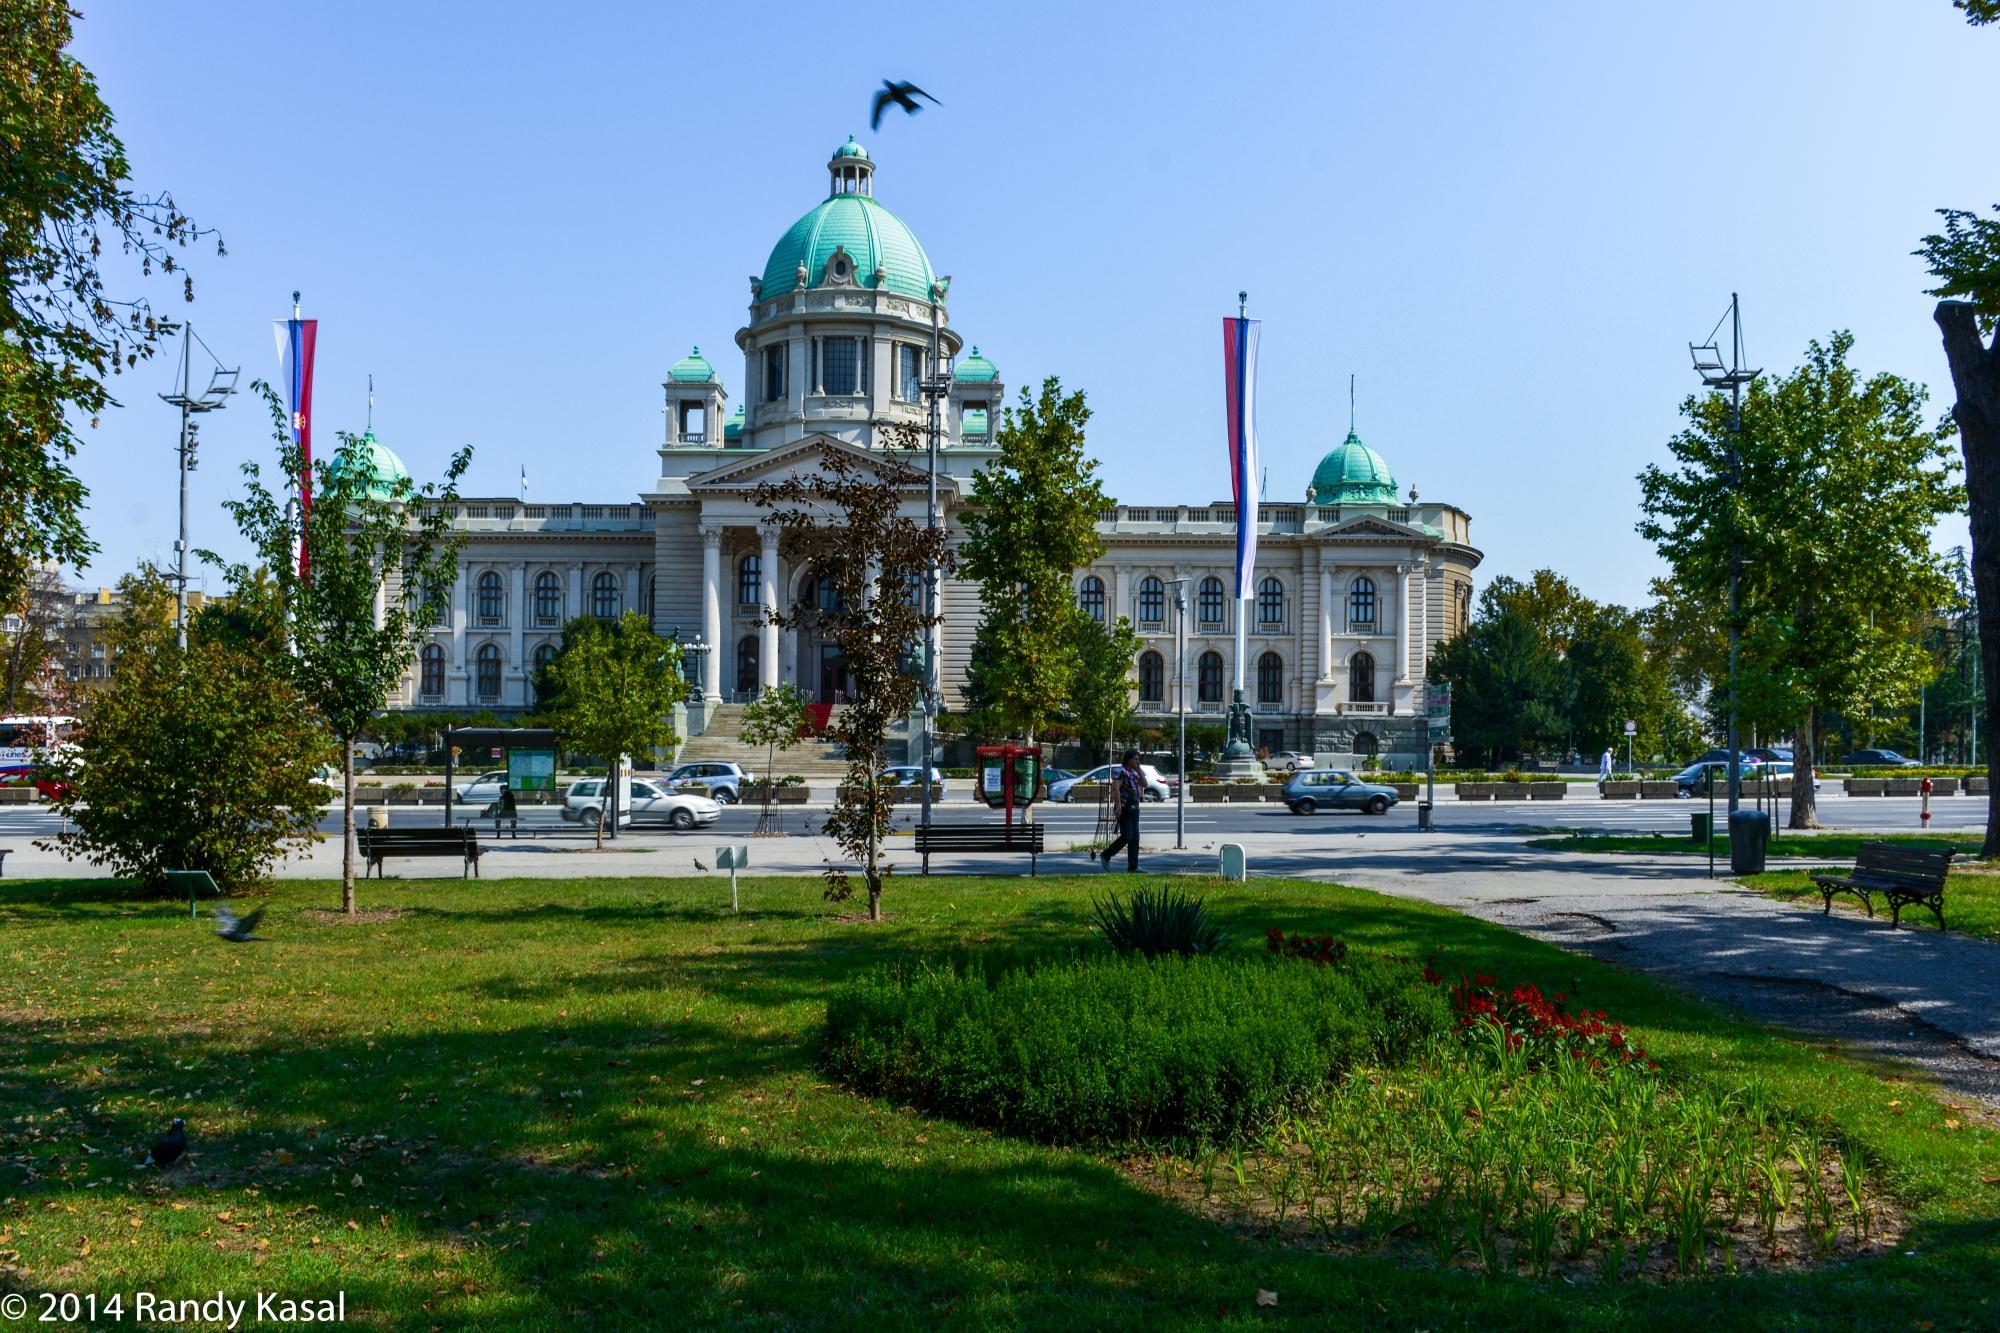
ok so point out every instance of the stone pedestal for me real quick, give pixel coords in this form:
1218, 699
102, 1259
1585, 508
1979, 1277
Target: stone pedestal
1239, 757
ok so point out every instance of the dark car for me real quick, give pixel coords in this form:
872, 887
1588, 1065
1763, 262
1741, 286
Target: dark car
1312, 789
1770, 754
1877, 759
1693, 780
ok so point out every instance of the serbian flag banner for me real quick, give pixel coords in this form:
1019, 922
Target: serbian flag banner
1239, 374
295, 360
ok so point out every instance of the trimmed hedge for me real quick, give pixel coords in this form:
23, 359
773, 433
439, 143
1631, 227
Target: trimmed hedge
1110, 1050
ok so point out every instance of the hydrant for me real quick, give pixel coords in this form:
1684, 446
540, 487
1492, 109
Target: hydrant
1924, 788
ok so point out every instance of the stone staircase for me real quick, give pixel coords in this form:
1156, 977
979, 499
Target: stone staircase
722, 742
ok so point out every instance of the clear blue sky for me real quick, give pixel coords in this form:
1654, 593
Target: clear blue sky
1506, 220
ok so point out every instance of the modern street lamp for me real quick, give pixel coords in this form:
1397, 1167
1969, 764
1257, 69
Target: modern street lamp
1708, 364
221, 383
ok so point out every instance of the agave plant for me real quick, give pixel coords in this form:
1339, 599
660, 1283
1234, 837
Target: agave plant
1159, 921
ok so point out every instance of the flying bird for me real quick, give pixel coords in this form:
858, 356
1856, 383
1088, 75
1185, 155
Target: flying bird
170, 1145
698, 864
904, 95
236, 929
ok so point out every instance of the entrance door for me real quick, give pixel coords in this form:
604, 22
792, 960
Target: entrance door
1271, 739
833, 679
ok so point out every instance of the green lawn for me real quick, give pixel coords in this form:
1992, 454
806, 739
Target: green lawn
559, 1105
1971, 898
1832, 846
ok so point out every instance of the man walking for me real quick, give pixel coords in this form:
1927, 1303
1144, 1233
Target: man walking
1128, 790
1604, 766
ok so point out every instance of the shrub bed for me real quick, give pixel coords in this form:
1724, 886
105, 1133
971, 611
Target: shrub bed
1111, 1050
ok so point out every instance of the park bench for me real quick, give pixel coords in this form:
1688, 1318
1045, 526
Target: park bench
1902, 875
195, 882
981, 838
3, 861
376, 844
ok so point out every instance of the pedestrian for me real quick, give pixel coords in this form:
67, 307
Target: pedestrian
1128, 790
1604, 766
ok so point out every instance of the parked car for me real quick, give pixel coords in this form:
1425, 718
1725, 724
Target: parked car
724, 781
328, 777
1693, 780
1772, 754
645, 802
1155, 786
1054, 775
910, 775
1336, 789
1288, 761
482, 790
1877, 759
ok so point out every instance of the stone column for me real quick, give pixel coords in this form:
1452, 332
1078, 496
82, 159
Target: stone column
576, 606
457, 682
517, 619
767, 593
711, 609
1402, 624
1326, 568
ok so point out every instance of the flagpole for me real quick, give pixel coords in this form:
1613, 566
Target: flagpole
1239, 756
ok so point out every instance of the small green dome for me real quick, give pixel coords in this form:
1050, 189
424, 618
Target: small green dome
873, 237
692, 369
975, 369
851, 149
1352, 474
974, 424
385, 470
732, 429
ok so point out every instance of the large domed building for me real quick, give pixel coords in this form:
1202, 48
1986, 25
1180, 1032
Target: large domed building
1355, 584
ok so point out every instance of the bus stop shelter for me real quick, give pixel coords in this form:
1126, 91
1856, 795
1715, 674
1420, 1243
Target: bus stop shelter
528, 752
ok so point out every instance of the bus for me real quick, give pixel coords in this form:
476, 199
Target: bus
24, 741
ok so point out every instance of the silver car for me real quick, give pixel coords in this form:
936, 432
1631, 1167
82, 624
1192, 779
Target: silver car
644, 803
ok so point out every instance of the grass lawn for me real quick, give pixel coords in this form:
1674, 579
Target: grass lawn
1971, 897
554, 1105
1832, 846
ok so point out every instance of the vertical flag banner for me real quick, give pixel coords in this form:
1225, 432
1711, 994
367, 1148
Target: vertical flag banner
1239, 371
296, 338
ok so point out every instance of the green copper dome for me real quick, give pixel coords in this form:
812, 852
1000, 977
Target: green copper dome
873, 237
975, 369
1352, 474
385, 470
851, 149
732, 429
692, 369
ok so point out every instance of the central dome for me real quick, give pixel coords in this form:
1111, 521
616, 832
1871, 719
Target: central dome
385, 473
873, 237
1354, 474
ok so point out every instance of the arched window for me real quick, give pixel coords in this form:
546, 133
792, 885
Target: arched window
1365, 743
492, 598
432, 681
605, 602
826, 596
1208, 602
1209, 678
1361, 603
1090, 596
750, 580
548, 598
1361, 679
1270, 679
544, 654
746, 665
1270, 603
1152, 601
487, 671
1152, 678
652, 595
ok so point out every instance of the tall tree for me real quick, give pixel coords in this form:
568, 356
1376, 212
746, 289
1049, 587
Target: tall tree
65, 200
1031, 523
195, 759
1100, 694
618, 685
30, 653
1842, 481
382, 556
1506, 686
865, 558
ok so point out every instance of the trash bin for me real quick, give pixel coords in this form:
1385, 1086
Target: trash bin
1423, 816
1699, 831
1749, 835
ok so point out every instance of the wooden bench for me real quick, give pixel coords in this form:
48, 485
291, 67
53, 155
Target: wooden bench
3, 861
375, 844
1902, 875
194, 881
982, 838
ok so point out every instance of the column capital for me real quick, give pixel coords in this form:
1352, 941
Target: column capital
711, 536
768, 534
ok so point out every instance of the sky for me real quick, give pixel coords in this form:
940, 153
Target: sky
1505, 221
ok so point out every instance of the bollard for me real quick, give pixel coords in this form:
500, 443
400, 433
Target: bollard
1423, 816
1924, 788
1234, 865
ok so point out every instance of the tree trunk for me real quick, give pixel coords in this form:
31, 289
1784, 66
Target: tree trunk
1805, 754
347, 825
1975, 377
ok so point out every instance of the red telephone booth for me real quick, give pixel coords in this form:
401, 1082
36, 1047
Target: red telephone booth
1010, 776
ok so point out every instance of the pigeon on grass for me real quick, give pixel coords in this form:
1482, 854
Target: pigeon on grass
237, 929
167, 1149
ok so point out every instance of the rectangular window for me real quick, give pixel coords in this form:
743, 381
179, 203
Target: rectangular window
774, 372
910, 372
840, 363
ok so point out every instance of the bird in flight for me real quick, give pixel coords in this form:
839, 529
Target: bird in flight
904, 95
236, 929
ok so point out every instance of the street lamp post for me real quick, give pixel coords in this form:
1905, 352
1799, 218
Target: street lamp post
1708, 364
936, 383
1180, 586
221, 383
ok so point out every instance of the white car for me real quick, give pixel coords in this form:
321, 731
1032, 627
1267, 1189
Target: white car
1288, 761
1155, 785
482, 790
644, 802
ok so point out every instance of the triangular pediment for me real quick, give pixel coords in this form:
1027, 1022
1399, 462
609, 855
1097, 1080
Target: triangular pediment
1370, 525
800, 457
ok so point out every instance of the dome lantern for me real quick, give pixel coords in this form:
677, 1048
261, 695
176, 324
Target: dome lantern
852, 170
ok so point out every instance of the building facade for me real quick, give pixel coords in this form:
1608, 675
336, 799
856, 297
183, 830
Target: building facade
1355, 584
